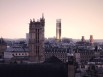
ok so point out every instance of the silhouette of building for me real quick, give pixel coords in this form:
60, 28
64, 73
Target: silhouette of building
3, 47
52, 67
36, 40
58, 29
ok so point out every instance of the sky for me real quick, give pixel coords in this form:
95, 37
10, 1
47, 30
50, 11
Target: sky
78, 17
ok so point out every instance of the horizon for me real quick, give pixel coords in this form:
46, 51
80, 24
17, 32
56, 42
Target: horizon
78, 18
52, 38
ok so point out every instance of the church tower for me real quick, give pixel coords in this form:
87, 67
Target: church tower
36, 40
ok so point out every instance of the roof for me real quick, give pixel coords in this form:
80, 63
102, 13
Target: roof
53, 59
17, 49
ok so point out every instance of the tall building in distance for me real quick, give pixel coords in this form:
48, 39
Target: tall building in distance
36, 40
58, 29
91, 39
27, 38
83, 39
3, 47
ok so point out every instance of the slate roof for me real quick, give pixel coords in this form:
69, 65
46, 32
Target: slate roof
53, 59
17, 49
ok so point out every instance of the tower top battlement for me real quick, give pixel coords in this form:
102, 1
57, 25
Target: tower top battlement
38, 20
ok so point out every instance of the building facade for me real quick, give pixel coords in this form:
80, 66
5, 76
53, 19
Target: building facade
36, 40
16, 54
60, 53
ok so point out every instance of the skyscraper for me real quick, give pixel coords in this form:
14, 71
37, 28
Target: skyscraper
36, 40
58, 29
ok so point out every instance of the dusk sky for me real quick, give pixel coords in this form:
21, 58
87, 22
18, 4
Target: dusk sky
78, 17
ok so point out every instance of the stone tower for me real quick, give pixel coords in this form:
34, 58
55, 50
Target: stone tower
36, 40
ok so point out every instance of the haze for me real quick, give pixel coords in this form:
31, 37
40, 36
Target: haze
78, 17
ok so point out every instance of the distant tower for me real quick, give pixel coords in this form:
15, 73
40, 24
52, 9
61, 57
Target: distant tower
3, 47
36, 40
91, 39
83, 39
27, 38
58, 29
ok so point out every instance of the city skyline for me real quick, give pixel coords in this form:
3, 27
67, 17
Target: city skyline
78, 17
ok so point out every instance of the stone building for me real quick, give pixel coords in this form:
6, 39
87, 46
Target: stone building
36, 40
16, 54
58, 50
60, 53
85, 54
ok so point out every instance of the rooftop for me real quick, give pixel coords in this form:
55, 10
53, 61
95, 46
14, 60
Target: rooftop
17, 49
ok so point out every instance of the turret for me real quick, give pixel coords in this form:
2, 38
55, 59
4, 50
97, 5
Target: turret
42, 20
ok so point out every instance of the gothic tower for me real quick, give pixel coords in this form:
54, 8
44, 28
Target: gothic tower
36, 40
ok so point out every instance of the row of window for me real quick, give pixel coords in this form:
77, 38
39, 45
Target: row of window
20, 54
86, 53
59, 56
57, 52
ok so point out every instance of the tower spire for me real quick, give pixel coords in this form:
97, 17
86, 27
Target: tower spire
43, 15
